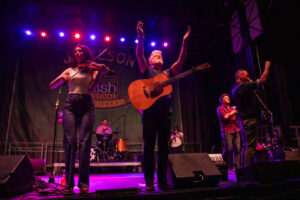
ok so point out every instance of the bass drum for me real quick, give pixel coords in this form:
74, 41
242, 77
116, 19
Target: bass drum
121, 145
93, 154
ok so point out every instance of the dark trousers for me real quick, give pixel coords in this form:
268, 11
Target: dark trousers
232, 140
176, 149
251, 133
156, 123
78, 115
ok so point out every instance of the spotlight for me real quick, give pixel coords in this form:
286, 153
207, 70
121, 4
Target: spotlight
61, 34
77, 36
165, 44
28, 32
153, 44
136, 41
107, 38
92, 37
122, 39
43, 34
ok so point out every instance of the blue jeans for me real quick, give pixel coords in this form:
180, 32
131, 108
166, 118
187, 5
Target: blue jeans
229, 140
78, 115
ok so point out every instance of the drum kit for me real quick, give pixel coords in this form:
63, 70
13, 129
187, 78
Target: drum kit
108, 149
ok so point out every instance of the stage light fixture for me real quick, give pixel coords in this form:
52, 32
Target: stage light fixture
92, 36
77, 36
153, 44
43, 34
136, 41
165, 44
28, 32
122, 39
107, 38
61, 34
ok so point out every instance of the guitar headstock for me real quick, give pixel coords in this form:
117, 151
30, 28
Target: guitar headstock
202, 67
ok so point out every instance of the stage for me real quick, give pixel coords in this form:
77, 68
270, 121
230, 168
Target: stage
131, 186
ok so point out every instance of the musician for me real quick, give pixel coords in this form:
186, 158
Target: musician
78, 113
156, 119
230, 132
176, 141
243, 96
104, 131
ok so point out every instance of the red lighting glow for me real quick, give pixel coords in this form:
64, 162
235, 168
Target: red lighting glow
107, 38
77, 36
43, 34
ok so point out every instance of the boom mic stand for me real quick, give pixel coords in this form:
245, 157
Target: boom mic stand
270, 117
51, 178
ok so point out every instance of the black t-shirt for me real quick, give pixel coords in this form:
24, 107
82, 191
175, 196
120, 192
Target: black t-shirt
163, 104
244, 98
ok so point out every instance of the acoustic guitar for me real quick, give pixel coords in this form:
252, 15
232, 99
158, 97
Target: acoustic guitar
144, 92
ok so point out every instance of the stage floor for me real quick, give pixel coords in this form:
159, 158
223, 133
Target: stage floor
131, 186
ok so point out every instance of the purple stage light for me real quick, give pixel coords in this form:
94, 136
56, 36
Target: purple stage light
153, 44
28, 32
165, 44
136, 41
61, 34
93, 37
122, 39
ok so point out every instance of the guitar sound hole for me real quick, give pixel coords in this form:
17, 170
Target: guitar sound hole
154, 93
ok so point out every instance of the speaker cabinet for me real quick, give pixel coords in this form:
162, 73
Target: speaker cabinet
38, 165
192, 170
267, 172
16, 175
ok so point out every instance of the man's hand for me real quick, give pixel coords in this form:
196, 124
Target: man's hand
187, 34
139, 29
268, 64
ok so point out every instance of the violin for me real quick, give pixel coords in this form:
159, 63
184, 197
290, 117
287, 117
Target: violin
93, 66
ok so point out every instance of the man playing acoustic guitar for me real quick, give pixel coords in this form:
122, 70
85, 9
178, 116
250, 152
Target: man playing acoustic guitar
156, 119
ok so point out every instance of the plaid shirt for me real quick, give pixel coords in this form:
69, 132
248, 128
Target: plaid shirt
229, 125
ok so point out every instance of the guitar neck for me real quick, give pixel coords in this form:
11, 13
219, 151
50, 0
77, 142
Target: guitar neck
175, 78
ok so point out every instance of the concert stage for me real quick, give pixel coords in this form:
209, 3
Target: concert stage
131, 186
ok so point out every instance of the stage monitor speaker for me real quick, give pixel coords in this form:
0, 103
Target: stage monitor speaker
192, 170
38, 165
16, 175
267, 172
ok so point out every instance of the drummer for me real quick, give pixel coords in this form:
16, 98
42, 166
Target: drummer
104, 131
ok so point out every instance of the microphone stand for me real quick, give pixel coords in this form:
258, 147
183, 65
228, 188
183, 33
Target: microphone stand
122, 115
51, 178
270, 117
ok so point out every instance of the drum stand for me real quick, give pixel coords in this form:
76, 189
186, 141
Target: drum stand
121, 155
